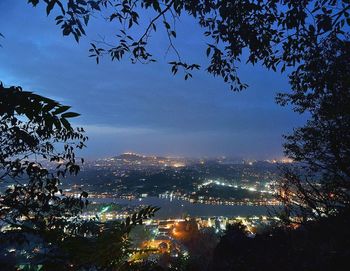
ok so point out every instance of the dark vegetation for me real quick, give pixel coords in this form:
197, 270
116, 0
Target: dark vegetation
321, 245
308, 39
37, 218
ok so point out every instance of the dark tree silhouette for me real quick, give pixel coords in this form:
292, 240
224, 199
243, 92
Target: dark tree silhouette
274, 33
317, 245
308, 38
43, 225
322, 147
33, 130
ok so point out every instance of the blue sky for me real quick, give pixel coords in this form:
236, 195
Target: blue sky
144, 108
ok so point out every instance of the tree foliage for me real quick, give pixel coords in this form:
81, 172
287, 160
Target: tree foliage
103, 246
34, 129
322, 147
37, 152
308, 38
273, 33
35, 133
321, 245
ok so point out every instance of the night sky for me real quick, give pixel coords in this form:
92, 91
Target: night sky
144, 108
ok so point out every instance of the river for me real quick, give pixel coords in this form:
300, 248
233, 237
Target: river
176, 208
